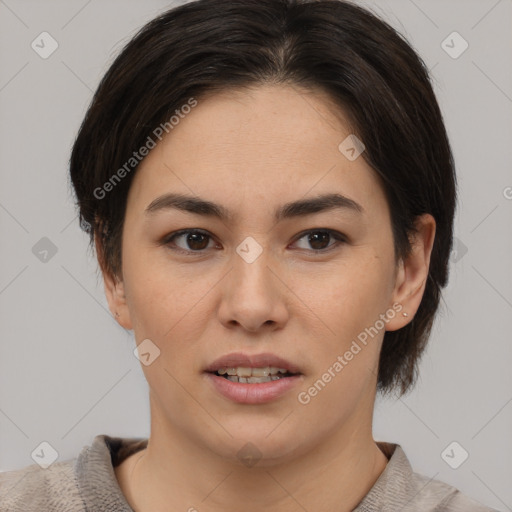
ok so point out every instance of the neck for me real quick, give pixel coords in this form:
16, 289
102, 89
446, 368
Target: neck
177, 473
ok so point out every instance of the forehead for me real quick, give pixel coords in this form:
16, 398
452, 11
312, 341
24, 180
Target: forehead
266, 143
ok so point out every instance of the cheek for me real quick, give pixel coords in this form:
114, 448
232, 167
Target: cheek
345, 344
160, 293
348, 296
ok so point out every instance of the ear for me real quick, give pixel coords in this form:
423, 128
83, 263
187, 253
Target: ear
412, 272
114, 291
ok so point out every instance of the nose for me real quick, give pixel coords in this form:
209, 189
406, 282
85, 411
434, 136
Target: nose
253, 296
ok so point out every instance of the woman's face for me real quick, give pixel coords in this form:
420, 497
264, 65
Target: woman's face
304, 286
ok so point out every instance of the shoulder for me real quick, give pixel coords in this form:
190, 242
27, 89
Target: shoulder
438, 496
34, 489
400, 488
87, 482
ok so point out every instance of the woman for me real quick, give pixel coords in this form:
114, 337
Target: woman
270, 191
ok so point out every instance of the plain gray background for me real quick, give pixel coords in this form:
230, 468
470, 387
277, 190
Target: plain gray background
67, 371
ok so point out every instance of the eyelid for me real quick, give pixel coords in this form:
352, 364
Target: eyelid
333, 232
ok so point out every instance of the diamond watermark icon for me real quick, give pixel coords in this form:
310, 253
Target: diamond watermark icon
146, 352
44, 249
249, 250
86, 226
44, 45
454, 45
459, 250
44, 454
351, 147
454, 455
249, 455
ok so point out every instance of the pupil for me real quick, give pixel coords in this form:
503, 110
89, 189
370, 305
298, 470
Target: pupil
194, 238
319, 237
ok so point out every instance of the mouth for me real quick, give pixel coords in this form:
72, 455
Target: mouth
254, 375
253, 379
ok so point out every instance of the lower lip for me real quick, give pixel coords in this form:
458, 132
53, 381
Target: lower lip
257, 393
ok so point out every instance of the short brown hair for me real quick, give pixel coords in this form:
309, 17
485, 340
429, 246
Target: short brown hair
364, 65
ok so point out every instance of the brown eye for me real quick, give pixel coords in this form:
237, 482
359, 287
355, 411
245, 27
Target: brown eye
196, 241
318, 240
190, 240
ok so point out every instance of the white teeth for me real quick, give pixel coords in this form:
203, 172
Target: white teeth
253, 380
260, 372
244, 371
257, 380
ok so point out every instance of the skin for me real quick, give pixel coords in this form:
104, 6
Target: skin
252, 151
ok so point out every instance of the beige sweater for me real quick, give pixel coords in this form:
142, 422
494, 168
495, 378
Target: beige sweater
88, 484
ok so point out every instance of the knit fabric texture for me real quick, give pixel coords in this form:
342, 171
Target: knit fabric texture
88, 484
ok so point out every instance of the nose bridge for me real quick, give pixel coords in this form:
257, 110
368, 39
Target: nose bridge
251, 274
252, 296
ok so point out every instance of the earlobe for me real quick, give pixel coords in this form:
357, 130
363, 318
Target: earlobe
114, 291
412, 273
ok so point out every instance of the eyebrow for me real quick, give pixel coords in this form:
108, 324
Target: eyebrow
300, 208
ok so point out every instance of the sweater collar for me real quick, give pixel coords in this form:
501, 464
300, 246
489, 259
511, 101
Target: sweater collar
100, 490
396, 476
94, 468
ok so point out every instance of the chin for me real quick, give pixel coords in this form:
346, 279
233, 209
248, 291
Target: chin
260, 447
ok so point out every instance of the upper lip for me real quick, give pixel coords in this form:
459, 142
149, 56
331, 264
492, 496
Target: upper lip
237, 359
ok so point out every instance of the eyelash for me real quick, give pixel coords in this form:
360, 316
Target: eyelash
339, 237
